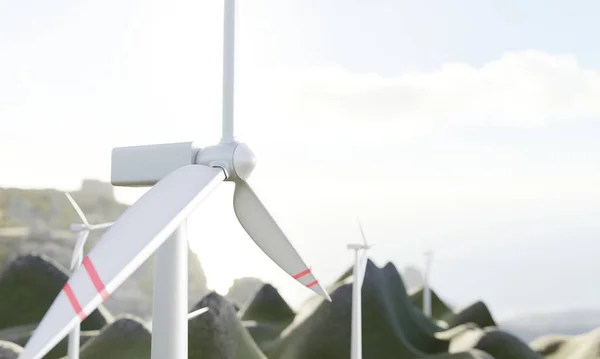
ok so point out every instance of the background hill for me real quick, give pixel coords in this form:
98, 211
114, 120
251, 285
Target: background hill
267, 328
38, 221
253, 320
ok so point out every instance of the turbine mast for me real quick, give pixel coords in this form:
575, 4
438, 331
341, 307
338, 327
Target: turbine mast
426, 288
356, 330
228, 69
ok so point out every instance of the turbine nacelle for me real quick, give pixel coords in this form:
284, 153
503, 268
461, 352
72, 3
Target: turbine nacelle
358, 246
146, 165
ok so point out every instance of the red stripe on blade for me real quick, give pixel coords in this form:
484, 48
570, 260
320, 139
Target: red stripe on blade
302, 274
91, 270
313, 283
74, 302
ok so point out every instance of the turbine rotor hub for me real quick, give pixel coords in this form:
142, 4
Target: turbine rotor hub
79, 227
235, 158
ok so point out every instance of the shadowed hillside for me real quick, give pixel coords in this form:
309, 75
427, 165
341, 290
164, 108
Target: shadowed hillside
394, 326
28, 286
38, 221
129, 336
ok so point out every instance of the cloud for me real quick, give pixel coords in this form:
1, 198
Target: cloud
521, 89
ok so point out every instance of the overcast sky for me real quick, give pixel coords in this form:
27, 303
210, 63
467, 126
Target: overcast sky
471, 129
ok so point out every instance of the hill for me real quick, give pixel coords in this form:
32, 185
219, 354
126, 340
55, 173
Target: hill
266, 327
35, 248
38, 221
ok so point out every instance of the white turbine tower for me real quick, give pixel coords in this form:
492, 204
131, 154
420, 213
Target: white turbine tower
83, 231
360, 266
426, 289
182, 175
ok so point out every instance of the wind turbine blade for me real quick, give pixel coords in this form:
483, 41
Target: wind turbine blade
77, 209
140, 230
101, 226
78, 250
265, 232
196, 313
362, 233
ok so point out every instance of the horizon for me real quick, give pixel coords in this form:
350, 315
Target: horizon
481, 145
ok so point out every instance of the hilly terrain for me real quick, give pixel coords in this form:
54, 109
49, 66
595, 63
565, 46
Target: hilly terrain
394, 325
253, 321
38, 221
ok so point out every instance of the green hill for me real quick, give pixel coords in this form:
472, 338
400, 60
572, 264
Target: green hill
129, 336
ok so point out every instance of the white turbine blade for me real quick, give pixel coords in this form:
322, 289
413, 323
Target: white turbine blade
362, 233
77, 209
198, 312
101, 226
140, 230
78, 250
265, 232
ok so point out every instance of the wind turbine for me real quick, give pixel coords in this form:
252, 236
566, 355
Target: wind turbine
182, 176
83, 231
360, 266
426, 289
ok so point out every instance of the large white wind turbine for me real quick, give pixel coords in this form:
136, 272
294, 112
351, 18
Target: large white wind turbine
426, 289
83, 231
360, 266
182, 176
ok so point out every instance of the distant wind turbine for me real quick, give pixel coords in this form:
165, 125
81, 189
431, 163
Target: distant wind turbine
426, 289
83, 231
360, 266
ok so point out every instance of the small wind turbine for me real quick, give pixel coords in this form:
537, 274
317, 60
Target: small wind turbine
360, 266
182, 176
426, 289
83, 231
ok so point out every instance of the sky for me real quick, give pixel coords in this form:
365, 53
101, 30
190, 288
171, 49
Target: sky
470, 129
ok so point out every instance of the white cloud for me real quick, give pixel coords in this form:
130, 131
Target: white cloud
521, 89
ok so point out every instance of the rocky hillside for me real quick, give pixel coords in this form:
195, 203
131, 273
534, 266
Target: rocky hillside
394, 326
38, 220
244, 289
